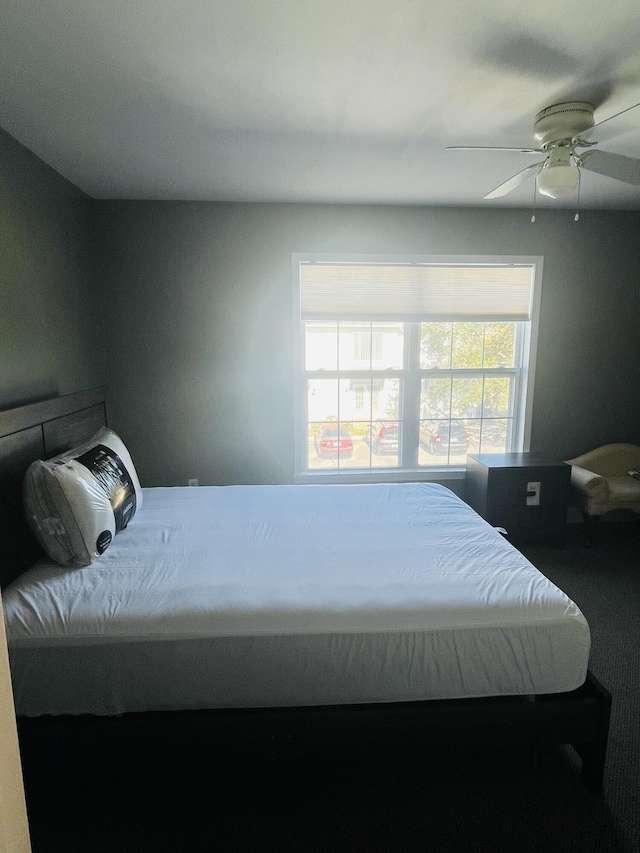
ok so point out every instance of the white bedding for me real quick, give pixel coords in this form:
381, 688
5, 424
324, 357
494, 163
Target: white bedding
250, 596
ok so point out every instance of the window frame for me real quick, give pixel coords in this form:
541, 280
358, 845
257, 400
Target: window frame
412, 374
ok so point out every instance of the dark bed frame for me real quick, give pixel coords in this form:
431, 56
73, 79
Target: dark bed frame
579, 718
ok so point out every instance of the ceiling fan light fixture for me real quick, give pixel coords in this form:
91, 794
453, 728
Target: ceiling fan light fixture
560, 130
559, 175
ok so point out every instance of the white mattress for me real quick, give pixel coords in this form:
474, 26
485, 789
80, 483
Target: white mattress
256, 596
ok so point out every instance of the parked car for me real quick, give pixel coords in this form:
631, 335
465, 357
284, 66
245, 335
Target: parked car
444, 437
332, 441
384, 437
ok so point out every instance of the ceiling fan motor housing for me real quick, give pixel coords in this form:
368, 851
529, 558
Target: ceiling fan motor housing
562, 122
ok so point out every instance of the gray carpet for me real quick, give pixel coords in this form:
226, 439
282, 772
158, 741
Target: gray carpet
180, 793
604, 581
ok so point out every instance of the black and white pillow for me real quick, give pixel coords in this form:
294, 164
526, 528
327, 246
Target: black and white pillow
78, 501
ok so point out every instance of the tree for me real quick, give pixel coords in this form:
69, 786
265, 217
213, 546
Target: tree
466, 345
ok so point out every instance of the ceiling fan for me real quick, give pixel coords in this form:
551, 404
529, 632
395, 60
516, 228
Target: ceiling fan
559, 131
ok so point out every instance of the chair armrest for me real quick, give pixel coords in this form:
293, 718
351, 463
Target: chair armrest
591, 484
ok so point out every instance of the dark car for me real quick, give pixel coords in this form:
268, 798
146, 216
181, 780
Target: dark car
444, 437
332, 441
384, 437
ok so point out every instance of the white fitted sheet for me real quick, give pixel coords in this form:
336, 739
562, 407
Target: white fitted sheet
252, 596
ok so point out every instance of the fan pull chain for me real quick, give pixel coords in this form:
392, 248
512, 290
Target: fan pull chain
535, 187
577, 216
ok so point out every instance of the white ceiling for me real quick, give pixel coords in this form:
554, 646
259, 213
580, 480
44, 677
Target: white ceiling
312, 100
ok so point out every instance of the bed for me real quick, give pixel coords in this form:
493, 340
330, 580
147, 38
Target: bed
385, 606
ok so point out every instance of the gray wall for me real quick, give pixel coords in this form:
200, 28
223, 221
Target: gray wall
198, 298
46, 336
185, 310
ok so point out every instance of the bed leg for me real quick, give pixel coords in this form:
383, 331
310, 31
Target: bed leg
594, 754
592, 766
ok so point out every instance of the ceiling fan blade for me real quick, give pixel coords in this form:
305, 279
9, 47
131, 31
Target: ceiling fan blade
514, 182
604, 131
625, 169
492, 148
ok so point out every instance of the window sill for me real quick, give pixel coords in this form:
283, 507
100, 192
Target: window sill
382, 475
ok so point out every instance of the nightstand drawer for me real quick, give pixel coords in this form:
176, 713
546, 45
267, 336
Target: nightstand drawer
532, 524
527, 517
497, 488
509, 488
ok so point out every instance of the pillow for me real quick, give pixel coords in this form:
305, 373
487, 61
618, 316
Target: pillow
78, 501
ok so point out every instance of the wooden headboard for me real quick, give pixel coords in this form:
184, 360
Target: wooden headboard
37, 431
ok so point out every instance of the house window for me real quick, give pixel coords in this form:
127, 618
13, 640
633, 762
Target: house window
361, 345
376, 346
407, 365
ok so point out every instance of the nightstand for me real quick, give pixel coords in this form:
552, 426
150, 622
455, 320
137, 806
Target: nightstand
525, 493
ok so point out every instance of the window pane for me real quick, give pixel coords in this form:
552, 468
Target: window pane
322, 399
443, 442
385, 399
497, 396
366, 346
376, 346
473, 427
435, 398
355, 399
459, 440
435, 345
499, 344
354, 346
387, 346
467, 344
317, 460
347, 399
359, 391
494, 435
466, 398
360, 431
352, 399
321, 346
332, 445
384, 442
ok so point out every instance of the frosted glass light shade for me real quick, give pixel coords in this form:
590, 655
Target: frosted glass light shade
558, 179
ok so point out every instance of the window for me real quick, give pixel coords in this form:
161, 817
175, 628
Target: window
361, 346
407, 365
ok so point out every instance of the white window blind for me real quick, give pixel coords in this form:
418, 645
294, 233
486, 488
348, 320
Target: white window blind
416, 292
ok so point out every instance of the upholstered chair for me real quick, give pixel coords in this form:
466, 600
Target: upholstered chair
600, 482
